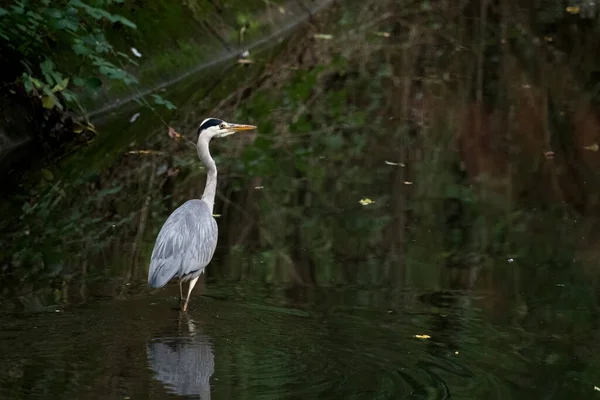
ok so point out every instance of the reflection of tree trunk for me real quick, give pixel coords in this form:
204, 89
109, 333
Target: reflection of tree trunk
83, 278
480, 106
409, 60
301, 252
141, 226
238, 224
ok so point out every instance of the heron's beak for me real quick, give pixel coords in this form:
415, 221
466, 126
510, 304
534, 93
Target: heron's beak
239, 127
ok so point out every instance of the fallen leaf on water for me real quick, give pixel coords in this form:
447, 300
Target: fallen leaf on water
596, 388
408, 183
324, 36
394, 163
549, 154
383, 34
573, 9
258, 187
245, 61
423, 336
366, 201
173, 134
593, 147
216, 215
456, 352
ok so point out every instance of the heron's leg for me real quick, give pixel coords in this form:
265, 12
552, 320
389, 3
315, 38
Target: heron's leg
192, 283
180, 291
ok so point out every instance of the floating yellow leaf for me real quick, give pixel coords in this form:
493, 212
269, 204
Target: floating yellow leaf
549, 154
596, 388
366, 201
408, 183
593, 147
423, 336
324, 36
456, 352
573, 9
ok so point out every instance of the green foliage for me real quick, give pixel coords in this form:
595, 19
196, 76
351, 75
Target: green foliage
37, 32
51, 225
158, 100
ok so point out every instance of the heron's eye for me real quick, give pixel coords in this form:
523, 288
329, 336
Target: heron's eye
222, 126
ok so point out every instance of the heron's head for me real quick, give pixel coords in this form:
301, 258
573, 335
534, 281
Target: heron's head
216, 128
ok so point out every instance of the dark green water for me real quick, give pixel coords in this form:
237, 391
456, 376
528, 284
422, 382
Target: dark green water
345, 342
470, 274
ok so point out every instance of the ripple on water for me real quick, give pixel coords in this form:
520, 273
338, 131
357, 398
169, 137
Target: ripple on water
225, 350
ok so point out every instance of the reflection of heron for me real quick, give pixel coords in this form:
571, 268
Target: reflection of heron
187, 240
184, 364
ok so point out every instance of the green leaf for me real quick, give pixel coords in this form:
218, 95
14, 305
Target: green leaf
27, 83
77, 81
159, 100
126, 22
47, 174
61, 86
53, 13
52, 77
80, 48
67, 24
49, 102
93, 83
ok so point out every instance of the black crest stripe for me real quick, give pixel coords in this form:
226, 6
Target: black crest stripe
208, 123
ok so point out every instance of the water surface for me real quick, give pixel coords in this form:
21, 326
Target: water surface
394, 229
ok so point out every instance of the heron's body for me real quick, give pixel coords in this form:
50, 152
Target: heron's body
185, 244
187, 241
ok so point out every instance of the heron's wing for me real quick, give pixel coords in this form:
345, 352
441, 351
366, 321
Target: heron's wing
185, 243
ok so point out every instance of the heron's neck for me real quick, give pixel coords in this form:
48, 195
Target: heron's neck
211, 179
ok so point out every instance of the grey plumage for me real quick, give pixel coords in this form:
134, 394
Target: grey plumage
183, 363
184, 367
187, 241
185, 244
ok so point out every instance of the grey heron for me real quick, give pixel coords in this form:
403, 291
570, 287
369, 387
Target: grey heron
183, 362
188, 239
